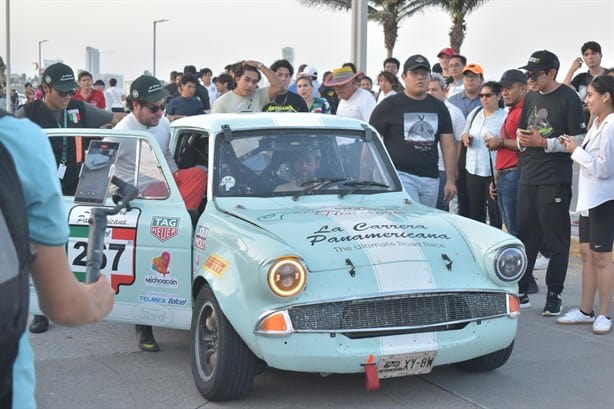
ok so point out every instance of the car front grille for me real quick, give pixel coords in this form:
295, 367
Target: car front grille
406, 313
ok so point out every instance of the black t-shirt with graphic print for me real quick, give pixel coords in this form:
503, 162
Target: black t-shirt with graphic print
554, 114
411, 130
288, 102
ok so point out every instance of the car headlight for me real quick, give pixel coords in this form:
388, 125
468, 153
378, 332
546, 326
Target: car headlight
287, 277
510, 263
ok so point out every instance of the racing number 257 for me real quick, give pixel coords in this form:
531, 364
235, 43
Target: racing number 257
81, 258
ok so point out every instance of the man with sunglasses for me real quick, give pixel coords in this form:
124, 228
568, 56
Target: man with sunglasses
544, 189
146, 105
57, 109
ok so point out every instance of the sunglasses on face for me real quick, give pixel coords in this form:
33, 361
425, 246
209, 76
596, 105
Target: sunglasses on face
534, 75
70, 93
155, 108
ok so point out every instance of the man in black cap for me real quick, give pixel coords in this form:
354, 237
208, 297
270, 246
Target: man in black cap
146, 105
57, 109
514, 89
544, 190
412, 124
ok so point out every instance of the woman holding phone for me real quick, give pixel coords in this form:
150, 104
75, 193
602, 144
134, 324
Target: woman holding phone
483, 122
596, 206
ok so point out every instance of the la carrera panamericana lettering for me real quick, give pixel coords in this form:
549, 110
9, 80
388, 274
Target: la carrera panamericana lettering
364, 231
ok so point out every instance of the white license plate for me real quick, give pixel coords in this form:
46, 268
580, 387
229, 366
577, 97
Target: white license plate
390, 366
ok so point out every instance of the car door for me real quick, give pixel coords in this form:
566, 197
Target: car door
147, 249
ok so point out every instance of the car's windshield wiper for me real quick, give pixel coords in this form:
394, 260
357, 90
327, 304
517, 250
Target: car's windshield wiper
316, 184
359, 185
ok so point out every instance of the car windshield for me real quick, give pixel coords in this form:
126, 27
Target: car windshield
302, 162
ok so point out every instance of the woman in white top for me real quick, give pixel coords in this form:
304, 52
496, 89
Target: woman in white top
483, 123
385, 81
596, 206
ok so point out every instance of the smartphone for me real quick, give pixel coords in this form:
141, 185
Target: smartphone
525, 131
96, 172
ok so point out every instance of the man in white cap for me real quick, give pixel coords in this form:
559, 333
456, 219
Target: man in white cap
354, 102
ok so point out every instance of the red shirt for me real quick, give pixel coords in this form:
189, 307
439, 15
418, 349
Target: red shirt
507, 158
95, 98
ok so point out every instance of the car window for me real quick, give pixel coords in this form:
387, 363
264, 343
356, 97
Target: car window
151, 181
192, 149
278, 163
137, 164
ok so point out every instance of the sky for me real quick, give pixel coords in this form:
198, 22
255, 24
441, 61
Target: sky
212, 33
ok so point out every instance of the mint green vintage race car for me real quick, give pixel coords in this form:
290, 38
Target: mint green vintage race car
306, 255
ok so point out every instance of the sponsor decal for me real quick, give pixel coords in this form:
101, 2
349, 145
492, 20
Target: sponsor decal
165, 299
216, 265
152, 314
79, 215
164, 228
200, 239
161, 266
332, 212
161, 263
228, 182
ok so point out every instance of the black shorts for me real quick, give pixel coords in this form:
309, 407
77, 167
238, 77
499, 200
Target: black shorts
598, 228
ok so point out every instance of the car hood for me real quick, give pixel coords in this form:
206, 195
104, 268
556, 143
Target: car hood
333, 237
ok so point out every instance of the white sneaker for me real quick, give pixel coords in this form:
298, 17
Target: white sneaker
575, 316
541, 262
602, 325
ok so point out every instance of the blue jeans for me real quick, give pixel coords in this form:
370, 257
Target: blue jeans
420, 188
507, 190
441, 203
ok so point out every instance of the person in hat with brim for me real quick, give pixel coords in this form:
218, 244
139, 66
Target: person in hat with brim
444, 58
146, 105
354, 102
57, 109
412, 124
544, 188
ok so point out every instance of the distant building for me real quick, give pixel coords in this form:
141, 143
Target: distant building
92, 61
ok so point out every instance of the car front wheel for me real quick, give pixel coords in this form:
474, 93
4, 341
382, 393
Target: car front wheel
223, 367
487, 362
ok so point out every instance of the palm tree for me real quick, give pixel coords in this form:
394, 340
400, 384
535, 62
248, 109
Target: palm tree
389, 13
458, 10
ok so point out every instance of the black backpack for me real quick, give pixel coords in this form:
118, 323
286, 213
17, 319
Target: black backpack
15, 258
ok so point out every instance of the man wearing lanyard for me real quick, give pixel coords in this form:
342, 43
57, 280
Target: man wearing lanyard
57, 109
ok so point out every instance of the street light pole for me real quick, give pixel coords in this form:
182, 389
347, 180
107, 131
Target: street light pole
162, 20
40, 43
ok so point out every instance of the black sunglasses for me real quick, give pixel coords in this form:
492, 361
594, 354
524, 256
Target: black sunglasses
534, 75
69, 93
155, 108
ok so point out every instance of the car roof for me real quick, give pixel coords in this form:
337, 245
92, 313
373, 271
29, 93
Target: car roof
252, 121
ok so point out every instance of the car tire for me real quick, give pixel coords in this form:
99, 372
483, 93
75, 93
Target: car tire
487, 362
223, 367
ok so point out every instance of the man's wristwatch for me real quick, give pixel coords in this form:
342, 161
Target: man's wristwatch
501, 144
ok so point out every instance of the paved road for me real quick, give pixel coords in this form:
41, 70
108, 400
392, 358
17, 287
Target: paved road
553, 366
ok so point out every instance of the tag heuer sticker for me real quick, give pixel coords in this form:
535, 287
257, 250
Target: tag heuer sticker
164, 228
